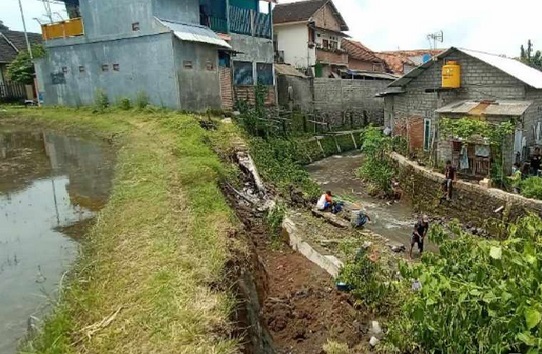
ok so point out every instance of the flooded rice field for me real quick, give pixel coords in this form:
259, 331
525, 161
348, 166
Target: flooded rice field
51, 186
337, 173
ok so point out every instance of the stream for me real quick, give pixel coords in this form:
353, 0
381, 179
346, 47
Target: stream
338, 174
51, 186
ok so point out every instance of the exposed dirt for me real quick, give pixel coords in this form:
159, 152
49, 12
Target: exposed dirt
301, 307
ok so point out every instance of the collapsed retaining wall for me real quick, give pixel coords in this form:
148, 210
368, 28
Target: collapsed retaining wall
471, 203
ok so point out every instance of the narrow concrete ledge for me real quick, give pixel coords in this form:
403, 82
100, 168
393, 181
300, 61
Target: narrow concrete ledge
329, 263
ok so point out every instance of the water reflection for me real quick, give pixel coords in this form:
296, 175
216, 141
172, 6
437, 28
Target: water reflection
50, 185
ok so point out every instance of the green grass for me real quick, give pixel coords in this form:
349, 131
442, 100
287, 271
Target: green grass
157, 247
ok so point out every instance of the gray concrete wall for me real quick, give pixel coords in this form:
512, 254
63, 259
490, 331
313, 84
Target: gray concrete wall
186, 11
152, 73
338, 98
533, 115
302, 88
252, 49
199, 86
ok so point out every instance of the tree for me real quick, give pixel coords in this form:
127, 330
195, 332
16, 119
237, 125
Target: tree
3, 27
21, 69
528, 58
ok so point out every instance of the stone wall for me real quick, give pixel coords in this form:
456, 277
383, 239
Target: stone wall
471, 203
345, 100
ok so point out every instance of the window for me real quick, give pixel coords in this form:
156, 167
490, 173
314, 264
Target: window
116, 67
187, 64
242, 73
427, 134
325, 43
58, 78
135, 26
265, 74
65, 69
333, 45
81, 69
105, 67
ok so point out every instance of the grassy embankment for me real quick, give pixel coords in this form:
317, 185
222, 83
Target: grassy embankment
142, 283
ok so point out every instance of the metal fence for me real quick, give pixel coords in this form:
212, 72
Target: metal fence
12, 92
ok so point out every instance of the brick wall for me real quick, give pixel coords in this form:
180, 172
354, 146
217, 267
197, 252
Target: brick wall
470, 203
478, 81
226, 88
343, 101
356, 64
248, 94
328, 57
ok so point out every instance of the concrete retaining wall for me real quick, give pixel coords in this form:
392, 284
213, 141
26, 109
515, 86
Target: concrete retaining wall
471, 203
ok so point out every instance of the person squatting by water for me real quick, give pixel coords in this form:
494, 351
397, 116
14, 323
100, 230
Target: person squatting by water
419, 233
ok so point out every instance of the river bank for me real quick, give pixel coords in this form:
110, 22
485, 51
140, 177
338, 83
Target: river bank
140, 284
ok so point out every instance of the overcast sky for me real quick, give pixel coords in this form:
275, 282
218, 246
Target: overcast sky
397, 24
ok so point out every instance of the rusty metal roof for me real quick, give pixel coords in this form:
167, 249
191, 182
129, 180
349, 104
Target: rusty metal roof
287, 70
486, 108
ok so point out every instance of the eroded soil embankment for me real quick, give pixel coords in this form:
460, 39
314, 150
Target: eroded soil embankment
300, 308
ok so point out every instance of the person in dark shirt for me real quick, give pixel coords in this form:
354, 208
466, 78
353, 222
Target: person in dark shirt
536, 161
449, 172
419, 233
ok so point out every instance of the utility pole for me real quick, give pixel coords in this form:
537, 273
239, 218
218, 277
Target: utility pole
28, 46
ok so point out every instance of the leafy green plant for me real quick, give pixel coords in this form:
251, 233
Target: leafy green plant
368, 280
101, 100
124, 103
21, 69
467, 128
477, 296
532, 188
275, 218
377, 168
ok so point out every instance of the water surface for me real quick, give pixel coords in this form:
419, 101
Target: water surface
338, 174
51, 185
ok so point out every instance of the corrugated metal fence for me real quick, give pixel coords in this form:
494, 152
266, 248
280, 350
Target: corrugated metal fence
12, 92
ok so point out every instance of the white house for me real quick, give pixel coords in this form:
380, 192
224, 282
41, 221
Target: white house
308, 35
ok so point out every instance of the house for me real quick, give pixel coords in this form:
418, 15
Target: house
486, 86
402, 61
308, 36
190, 55
11, 43
362, 58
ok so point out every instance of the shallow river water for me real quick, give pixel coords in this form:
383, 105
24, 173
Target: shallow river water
51, 186
338, 174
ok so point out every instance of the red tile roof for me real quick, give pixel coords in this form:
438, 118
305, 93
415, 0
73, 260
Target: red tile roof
303, 10
356, 50
397, 59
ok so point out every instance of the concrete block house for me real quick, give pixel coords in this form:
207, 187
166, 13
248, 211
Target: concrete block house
190, 54
491, 87
308, 36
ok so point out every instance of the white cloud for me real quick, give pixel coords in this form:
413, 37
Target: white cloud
11, 16
474, 24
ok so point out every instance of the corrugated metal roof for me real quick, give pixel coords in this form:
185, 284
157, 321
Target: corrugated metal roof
512, 67
373, 74
195, 33
487, 108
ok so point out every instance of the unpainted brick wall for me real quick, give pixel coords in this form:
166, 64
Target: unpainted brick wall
470, 203
248, 94
226, 88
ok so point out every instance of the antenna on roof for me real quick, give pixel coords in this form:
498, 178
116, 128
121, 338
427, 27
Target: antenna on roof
435, 37
47, 6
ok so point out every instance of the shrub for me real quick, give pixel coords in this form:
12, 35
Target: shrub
124, 103
377, 168
101, 101
142, 100
532, 188
477, 296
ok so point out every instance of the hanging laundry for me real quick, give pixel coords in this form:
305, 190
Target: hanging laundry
463, 158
